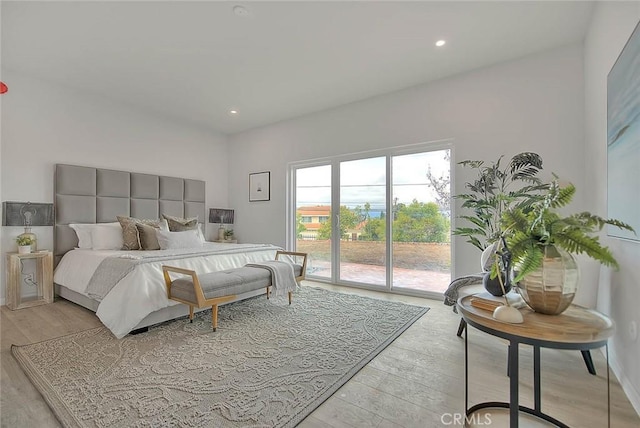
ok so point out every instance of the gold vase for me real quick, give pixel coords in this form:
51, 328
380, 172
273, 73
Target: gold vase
551, 288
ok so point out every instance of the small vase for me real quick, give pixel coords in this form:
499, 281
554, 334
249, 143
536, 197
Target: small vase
221, 232
493, 285
551, 288
24, 249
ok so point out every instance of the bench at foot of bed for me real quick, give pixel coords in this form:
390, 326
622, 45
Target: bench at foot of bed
215, 288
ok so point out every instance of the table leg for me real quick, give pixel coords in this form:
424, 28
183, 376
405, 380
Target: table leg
606, 348
466, 371
513, 384
536, 379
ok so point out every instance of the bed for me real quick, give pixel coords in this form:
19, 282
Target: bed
137, 299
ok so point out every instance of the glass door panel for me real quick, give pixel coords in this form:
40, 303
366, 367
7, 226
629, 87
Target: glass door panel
421, 247
313, 218
360, 226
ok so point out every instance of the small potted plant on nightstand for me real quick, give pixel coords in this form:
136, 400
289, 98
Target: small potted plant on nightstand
24, 244
228, 235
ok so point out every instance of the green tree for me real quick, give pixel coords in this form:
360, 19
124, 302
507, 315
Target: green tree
441, 185
300, 227
374, 230
420, 222
349, 219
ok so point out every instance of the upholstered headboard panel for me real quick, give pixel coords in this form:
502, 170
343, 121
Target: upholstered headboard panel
94, 195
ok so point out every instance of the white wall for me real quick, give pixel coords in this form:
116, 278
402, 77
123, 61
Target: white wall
533, 104
44, 124
619, 293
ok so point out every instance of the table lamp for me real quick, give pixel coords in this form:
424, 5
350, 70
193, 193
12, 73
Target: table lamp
27, 214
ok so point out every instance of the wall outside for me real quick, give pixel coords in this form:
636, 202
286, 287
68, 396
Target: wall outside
44, 124
619, 295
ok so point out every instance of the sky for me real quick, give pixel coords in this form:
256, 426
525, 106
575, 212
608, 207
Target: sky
363, 180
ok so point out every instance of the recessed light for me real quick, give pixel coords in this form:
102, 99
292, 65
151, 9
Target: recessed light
440, 43
240, 10
233, 111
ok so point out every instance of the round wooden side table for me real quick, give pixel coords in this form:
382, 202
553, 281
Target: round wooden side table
577, 328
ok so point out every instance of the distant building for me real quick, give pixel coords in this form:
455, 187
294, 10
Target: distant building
312, 218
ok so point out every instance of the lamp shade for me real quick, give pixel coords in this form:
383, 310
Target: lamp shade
27, 214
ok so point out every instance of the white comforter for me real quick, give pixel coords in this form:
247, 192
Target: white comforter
143, 291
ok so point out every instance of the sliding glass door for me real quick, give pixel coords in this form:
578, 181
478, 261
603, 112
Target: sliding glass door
312, 218
421, 227
363, 195
378, 221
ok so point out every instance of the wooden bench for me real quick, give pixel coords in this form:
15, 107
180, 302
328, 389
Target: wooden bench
215, 288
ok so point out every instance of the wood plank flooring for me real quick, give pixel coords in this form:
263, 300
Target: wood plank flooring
417, 381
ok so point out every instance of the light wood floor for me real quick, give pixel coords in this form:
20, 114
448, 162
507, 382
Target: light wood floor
417, 381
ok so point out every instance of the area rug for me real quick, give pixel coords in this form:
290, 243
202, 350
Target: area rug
268, 365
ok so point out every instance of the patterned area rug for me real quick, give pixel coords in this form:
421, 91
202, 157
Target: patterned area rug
268, 365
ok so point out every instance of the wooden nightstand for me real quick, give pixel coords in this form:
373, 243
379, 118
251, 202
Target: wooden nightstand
43, 278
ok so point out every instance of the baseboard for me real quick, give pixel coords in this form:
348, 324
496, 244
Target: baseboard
632, 393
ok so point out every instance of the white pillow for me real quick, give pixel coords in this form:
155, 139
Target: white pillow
83, 231
164, 224
107, 237
174, 240
200, 233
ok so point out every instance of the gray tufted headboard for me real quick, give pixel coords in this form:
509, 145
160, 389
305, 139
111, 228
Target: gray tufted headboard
95, 195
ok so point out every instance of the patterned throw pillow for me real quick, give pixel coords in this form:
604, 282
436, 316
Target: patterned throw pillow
179, 224
130, 231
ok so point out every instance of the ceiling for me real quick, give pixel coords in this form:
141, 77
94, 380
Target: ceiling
195, 61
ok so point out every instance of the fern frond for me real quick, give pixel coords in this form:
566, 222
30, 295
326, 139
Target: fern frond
515, 219
595, 222
531, 260
563, 196
575, 241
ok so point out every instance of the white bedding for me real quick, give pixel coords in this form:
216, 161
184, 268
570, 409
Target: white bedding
143, 291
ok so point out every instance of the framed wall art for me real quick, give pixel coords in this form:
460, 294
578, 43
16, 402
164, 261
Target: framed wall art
623, 139
259, 186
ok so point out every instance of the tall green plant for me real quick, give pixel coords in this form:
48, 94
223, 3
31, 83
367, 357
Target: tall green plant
495, 190
529, 232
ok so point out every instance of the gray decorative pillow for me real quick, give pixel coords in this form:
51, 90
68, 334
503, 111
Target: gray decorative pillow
179, 224
147, 236
130, 231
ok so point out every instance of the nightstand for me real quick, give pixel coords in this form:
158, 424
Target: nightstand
41, 282
226, 241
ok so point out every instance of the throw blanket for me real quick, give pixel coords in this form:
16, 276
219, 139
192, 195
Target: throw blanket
112, 269
283, 279
451, 295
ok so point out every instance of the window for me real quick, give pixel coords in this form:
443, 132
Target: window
386, 223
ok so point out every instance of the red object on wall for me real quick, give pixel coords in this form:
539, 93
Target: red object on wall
3, 88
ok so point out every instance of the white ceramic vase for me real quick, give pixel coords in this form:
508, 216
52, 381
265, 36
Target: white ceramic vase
24, 249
